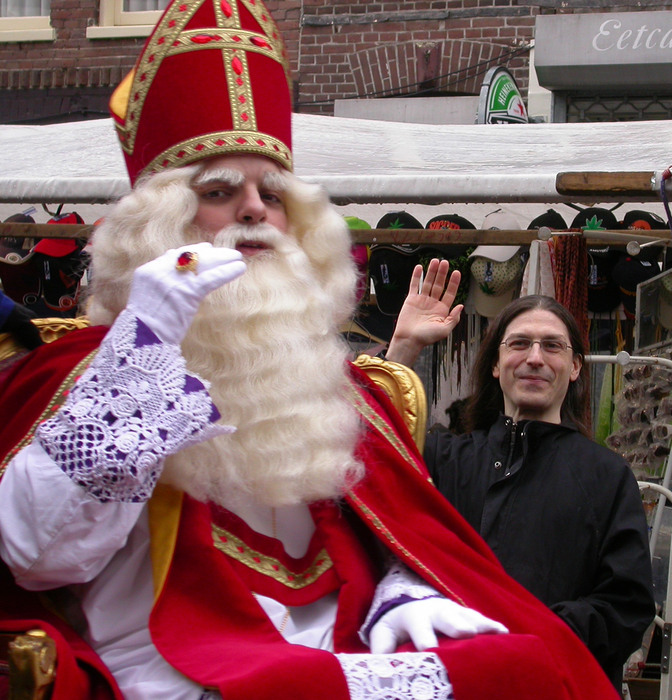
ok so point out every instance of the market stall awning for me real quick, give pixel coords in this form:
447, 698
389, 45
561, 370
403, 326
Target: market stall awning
372, 161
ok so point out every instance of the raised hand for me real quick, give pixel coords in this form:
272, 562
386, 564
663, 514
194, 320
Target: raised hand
426, 315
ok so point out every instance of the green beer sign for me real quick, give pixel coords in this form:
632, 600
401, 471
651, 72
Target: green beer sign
500, 100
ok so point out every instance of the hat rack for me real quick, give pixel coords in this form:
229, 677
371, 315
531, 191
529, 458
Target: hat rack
389, 236
385, 235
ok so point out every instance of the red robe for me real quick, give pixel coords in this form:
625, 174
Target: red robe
207, 624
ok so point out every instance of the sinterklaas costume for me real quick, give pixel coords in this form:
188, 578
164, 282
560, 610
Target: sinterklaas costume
179, 598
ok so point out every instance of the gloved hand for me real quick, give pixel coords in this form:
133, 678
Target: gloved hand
420, 620
16, 319
167, 300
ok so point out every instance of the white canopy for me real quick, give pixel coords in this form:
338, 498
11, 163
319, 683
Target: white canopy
358, 160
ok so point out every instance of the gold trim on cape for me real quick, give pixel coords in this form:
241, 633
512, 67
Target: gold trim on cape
236, 548
400, 549
381, 426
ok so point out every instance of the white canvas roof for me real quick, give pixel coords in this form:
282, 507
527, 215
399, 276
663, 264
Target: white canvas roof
358, 160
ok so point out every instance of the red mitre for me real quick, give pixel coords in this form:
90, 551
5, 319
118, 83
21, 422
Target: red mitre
212, 79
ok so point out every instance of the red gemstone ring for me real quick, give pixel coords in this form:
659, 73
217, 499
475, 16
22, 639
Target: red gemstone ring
187, 262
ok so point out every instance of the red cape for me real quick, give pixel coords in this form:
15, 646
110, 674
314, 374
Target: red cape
30, 392
212, 630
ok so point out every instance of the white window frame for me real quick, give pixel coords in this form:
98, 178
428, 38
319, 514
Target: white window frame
114, 22
37, 28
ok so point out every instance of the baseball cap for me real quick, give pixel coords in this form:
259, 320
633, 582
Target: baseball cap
500, 220
603, 292
496, 271
551, 219
398, 219
454, 221
595, 219
646, 220
628, 272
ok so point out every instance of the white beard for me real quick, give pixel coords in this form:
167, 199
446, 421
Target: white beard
268, 345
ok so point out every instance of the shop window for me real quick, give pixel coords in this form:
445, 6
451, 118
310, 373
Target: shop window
618, 108
119, 18
25, 20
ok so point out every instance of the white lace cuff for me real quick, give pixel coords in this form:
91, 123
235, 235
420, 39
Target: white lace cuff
405, 676
135, 405
399, 585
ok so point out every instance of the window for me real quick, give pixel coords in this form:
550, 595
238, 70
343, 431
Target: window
618, 108
24, 8
25, 20
126, 18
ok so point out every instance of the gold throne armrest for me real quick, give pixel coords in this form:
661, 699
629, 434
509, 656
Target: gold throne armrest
50, 329
30, 661
405, 390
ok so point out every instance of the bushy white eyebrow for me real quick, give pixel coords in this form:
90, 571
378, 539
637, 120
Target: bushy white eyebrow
227, 176
234, 178
275, 181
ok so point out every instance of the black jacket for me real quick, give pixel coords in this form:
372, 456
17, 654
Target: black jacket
565, 518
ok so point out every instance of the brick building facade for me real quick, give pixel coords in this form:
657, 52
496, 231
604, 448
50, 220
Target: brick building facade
343, 50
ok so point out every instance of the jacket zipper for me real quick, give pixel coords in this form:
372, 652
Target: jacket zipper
512, 445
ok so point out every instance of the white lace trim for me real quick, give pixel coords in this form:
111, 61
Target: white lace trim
126, 413
405, 676
398, 581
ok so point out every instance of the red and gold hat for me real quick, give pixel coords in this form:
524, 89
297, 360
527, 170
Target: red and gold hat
212, 79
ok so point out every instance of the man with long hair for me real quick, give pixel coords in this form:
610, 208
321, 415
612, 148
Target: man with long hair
562, 513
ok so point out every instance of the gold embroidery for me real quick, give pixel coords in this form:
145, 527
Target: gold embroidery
235, 548
170, 38
400, 549
57, 400
240, 90
270, 28
232, 20
229, 39
381, 426
166, 33
221, 143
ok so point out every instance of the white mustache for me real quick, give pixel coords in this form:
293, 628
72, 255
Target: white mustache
235, 234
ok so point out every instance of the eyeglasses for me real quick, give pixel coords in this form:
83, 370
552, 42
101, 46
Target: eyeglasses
552, 347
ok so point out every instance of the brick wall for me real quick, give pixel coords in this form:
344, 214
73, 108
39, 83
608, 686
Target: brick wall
336, 50
381, 49
400, 48
70, 74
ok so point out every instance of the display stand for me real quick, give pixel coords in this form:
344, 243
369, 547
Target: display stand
664, 621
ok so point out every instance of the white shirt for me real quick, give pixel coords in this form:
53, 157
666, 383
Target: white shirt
58, 535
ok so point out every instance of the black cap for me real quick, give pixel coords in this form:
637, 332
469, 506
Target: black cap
551, 219
454, 221
398, 219
19, 219
646, 220
628, 273
595, 218
603, 293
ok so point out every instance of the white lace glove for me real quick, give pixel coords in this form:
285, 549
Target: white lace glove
167, 300
420, 620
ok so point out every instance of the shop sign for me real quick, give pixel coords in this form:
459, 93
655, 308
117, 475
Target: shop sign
500, 101
631, 50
